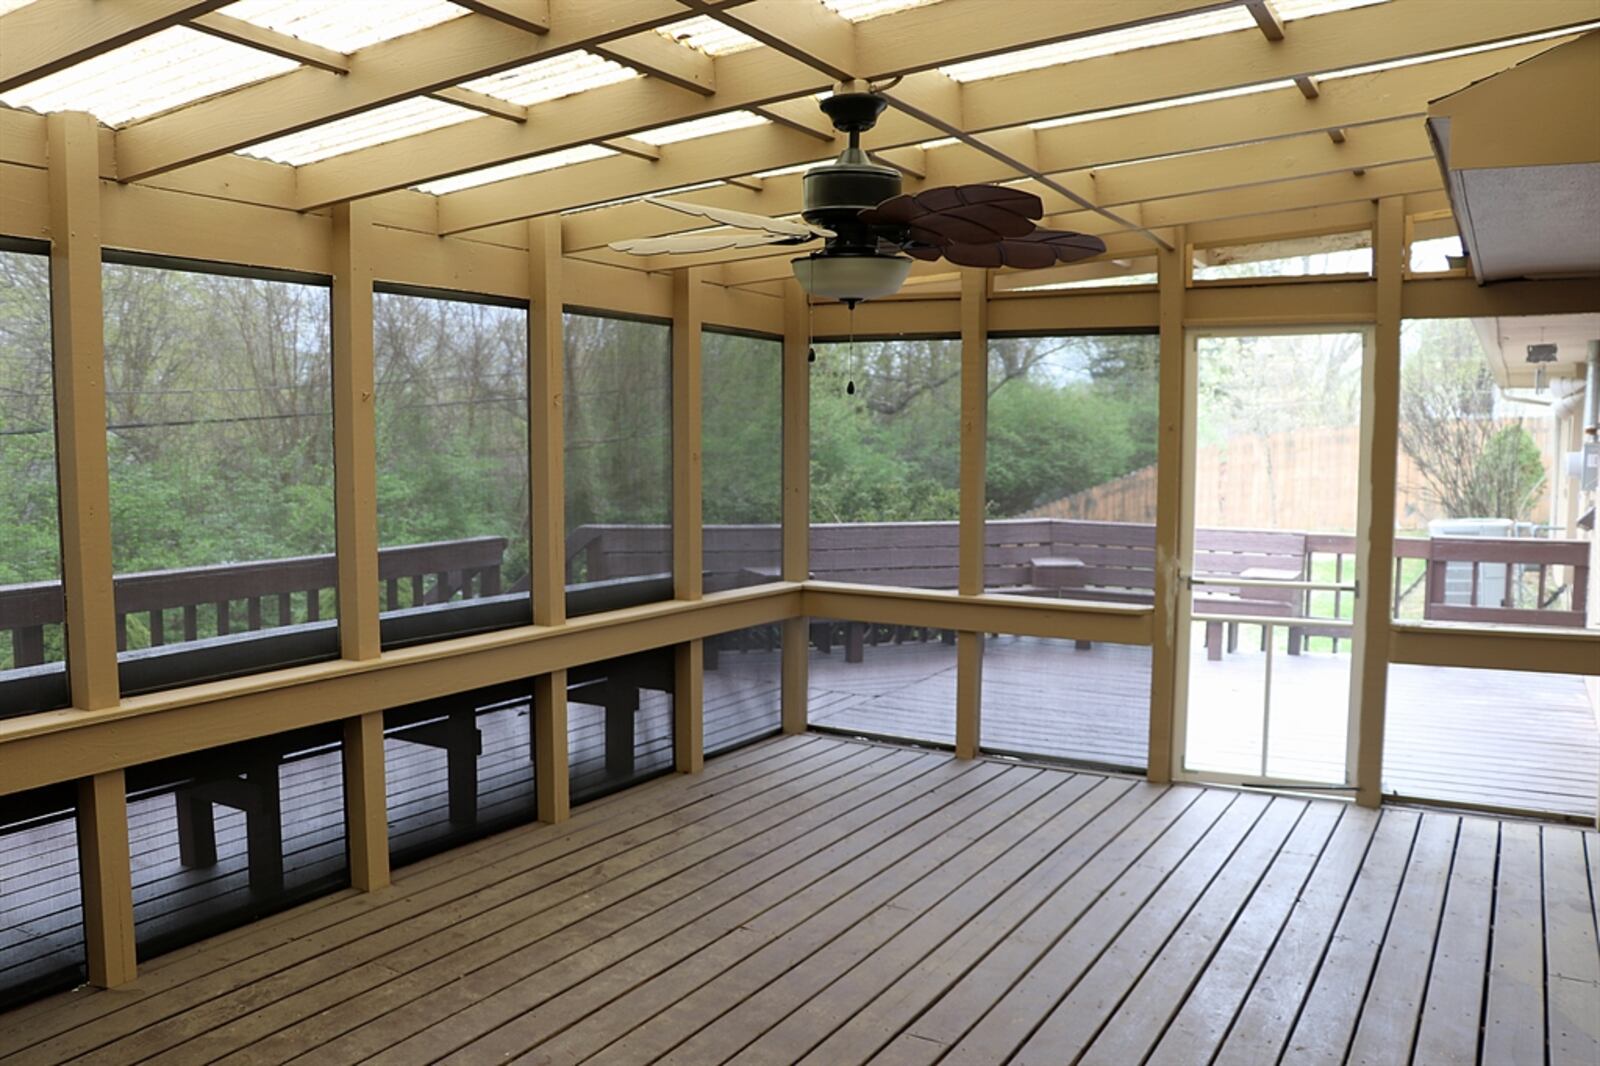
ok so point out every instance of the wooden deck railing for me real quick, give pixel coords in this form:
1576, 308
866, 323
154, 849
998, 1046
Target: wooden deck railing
294, 587
1544, 585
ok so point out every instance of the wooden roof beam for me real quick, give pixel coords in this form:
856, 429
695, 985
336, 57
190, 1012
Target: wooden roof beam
807, 32
418, 63
663, 59
1039, 95
481, 102
1263, 120
531, 16
41, 39
938, 104
960, 29
228, 28
1267, 20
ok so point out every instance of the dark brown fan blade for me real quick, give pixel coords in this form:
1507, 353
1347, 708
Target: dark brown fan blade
1041, 248
960, 214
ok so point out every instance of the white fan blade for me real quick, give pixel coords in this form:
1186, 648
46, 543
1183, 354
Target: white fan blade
744, 219
684, 243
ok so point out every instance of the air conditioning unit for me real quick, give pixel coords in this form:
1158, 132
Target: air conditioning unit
1494, 585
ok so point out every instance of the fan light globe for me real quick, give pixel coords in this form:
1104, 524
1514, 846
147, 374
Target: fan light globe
851, 277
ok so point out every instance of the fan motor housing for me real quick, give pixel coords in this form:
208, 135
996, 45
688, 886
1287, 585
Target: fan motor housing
837, 193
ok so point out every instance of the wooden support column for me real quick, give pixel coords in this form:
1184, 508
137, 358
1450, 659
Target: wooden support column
365, 802
1380, 431
688, 730
796, 495
688, 547
547, 580
551, 786
105, 869
355, 463
974, 430
1167, 671
78, 339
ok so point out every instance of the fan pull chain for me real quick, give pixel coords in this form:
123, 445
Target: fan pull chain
850, 388
811, 331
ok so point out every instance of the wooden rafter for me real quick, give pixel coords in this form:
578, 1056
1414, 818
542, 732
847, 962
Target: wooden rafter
743, 80
532, 16
262, 39
1149, 74
415, 64
1265, 118
41, 39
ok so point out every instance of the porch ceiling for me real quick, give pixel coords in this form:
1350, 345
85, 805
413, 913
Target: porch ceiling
1126, 118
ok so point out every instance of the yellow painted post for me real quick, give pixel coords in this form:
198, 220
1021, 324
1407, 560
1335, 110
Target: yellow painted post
974, 429
1380, 432
551, 785
104, 867
78, 341
366, 802
1166, 671
547, 503
355, 463
688, 550
796, 496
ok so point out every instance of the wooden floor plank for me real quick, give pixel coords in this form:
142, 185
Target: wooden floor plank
831, 872
1206, 969
366, 979
657, 1015
1389, 1013
500, 874
830, 901
1165, 833
1453, 1003
1573, 954
1200, 886
985, 852
866, 1009
425, 996
1514, 1013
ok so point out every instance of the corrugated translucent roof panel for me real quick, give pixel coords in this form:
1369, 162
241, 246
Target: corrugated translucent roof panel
701, 127
157, 73
1161, 105
1435, 57
862, 10
1166, 31
705, 34
381, 124
345, 27
8, 6
583, 153
551, 79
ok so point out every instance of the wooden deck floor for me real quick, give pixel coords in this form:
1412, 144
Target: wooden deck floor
1466, 737
820, 900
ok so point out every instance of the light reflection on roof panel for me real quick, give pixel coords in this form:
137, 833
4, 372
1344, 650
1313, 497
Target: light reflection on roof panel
862, 10
1165, 31
344, 27
701, 127
551, 79
157, 73
381, 124
705, 34
583, 153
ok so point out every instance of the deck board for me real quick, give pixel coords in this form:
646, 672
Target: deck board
820, 899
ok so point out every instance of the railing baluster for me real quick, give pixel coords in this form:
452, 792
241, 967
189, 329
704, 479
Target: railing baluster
191, 622
27, 646
158, 628
391, 592
1474, 600
285, 609
416, 590
441, 587
313, 605
1538, 601
223, 621
489, 581
122, 631
253, 613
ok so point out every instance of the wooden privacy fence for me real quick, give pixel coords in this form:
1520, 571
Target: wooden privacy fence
1304, 478
431, 573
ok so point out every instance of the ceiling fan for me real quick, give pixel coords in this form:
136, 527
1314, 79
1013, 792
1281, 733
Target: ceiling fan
871, 231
